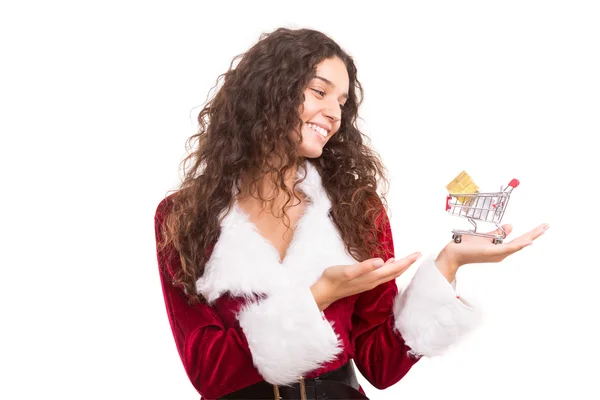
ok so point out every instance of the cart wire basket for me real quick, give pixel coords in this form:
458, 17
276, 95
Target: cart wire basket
485, 207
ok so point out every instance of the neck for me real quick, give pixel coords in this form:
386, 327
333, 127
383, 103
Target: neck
264, 187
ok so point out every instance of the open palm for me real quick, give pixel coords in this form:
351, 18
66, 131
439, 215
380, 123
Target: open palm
477, 249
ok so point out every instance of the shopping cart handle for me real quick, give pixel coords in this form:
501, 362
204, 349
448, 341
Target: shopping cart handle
448, 202
514, 183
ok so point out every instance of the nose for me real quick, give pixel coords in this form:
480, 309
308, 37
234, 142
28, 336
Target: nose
332, 111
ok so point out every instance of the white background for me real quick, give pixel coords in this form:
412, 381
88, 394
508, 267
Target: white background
98, 98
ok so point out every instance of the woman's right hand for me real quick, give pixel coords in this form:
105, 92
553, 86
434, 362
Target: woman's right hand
340, 281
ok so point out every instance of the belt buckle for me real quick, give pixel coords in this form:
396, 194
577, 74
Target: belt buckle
302, 390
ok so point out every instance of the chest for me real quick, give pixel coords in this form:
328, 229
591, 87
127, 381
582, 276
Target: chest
273, 228
261, 255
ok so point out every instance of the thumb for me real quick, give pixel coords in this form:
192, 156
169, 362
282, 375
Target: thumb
507, 229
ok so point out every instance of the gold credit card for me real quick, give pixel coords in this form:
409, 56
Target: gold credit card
462, 184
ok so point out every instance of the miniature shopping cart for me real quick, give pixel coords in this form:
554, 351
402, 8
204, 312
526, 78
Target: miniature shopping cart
486, 207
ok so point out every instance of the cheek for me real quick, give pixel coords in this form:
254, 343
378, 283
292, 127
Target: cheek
308, 109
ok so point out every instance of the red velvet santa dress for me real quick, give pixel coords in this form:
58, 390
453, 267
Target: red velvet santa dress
235, 340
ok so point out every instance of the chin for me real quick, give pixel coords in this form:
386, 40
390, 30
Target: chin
314, 152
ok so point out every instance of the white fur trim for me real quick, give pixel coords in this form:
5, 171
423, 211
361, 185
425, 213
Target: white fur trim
286, 332
288, 336
429, 316
243, 262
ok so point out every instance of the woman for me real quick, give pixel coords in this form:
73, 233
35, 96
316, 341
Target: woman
276, 254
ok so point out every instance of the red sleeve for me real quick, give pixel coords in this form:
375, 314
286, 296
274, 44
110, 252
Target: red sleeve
380, 353
217, 358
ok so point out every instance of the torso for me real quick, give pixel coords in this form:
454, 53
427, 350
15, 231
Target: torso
271, 227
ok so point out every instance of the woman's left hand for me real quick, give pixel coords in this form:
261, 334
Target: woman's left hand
477, 249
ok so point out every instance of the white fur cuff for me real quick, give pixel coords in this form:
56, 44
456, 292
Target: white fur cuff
429, 316
288, 336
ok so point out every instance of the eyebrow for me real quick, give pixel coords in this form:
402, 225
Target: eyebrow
327, 81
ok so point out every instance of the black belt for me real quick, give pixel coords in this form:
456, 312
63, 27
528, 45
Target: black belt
338, 384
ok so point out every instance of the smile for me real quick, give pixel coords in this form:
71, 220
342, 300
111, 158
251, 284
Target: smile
318, 130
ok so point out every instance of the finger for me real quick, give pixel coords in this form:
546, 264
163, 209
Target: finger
396, 268
363, 267
535, 233
411, 258
527, 238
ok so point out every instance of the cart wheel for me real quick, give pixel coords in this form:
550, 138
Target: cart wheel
497, 241
457, 238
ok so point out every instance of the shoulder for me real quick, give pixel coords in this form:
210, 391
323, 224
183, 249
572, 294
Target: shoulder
164, 207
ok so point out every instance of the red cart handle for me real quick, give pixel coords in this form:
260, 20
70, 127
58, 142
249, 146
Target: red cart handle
514, 183
448, 202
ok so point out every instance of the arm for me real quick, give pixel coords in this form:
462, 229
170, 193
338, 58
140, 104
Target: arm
276, 339
380, 353
392, 331
216, 359
429, 315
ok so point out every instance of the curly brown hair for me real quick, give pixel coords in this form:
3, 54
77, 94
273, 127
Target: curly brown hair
246, 127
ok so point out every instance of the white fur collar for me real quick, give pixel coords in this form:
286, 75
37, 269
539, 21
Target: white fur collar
244, 263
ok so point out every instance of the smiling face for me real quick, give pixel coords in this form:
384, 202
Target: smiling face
321, 112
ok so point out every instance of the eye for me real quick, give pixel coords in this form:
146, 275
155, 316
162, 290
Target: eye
322, 94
